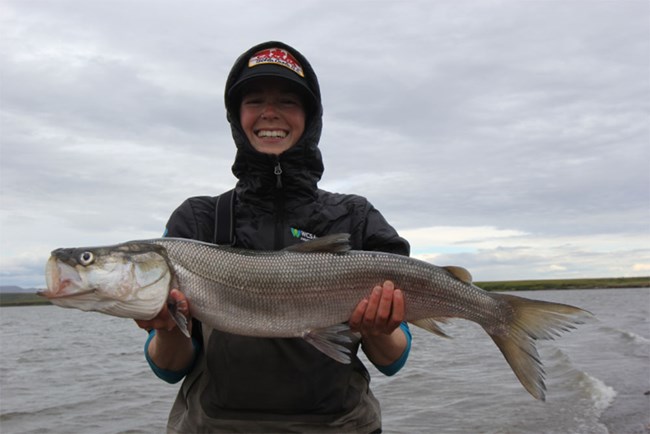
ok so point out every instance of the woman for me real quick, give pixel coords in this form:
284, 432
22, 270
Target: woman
237, 383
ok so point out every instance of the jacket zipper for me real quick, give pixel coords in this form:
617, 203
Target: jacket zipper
279, 208
277, 170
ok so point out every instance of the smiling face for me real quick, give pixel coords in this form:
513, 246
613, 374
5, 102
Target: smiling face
272, 115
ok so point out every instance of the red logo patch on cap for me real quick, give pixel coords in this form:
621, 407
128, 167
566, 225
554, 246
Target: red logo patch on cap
276, 56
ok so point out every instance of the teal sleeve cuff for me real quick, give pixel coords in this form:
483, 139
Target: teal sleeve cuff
164, 374
398, 364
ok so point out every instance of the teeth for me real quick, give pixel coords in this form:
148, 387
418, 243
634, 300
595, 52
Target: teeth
269, 133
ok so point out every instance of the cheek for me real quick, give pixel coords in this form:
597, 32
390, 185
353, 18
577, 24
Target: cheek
247, 119
298, 123
114, 281
247, 122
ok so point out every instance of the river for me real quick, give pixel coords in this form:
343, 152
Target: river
67, 371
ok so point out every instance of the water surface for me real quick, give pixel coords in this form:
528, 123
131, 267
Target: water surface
67, 371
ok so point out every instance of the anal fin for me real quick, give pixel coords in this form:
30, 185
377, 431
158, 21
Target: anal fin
431, 325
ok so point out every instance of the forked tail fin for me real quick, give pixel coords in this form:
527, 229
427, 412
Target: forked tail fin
533, 320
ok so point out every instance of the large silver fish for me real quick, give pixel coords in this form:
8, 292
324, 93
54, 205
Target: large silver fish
308, 290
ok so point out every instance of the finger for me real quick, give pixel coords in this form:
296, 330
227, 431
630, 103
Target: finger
176, 294
182, 304
385, 304
371, 311
399, 311
156, 322
357, 315
161, 321
399, 306
143, 324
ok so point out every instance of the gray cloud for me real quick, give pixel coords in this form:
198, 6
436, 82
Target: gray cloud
523, 116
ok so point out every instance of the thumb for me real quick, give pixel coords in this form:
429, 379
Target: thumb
181, 306
179, 299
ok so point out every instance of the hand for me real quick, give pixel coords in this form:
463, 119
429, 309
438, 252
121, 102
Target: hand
170, 349
379, 314
164, 321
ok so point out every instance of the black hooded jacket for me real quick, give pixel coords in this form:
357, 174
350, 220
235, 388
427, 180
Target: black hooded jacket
278, 203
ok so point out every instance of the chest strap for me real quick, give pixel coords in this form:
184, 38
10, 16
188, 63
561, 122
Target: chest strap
224, 219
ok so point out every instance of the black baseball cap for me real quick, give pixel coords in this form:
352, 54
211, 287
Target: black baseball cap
274, 62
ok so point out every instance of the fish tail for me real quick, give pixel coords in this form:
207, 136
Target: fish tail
529, 321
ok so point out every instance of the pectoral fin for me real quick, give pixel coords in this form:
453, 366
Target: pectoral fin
178, 317
332, 340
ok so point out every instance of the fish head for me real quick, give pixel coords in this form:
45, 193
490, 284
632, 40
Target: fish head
129, 280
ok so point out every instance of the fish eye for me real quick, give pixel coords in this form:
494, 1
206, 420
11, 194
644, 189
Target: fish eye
86, 258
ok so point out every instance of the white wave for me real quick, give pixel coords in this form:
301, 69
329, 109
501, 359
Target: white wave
601, 394
637, 339
628, 336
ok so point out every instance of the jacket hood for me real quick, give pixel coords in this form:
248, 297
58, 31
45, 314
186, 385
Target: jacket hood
301, 166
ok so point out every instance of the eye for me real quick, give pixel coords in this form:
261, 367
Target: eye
86, 258
292, 100
252, 99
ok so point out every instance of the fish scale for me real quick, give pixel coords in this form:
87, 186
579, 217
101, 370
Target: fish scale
308, 290
281, 288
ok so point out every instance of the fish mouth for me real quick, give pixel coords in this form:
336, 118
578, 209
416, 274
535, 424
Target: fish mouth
51, 295
61, 280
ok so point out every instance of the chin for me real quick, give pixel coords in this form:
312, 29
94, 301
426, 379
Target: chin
275, 149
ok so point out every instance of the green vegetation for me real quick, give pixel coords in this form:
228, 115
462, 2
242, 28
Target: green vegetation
534, 285
21, 299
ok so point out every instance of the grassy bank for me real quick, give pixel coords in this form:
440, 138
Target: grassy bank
534, 285
21, 299
28, 299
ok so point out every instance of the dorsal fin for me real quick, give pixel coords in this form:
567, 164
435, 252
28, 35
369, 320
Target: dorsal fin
459, 273
336, 243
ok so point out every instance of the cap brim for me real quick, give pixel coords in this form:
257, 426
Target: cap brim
262, 71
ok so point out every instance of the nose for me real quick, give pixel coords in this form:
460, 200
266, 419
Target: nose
269, 111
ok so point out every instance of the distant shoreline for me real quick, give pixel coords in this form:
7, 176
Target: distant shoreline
537, 285
9, 299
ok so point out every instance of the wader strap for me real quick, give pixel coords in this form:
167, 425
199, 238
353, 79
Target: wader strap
224, 219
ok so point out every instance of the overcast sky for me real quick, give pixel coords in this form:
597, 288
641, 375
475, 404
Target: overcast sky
509, 137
